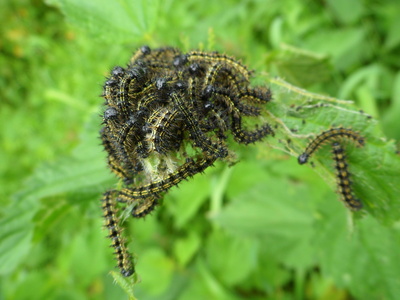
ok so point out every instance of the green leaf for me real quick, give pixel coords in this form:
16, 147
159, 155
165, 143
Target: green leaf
16, 233
393, 36
255, 172
346, 46
270, 274
50, 213
185, 201
294, 64
347, 11
126, 283
154, 261
246, 214
231, 258
117, 21
366, 260
390, 119
86, 254
274, 210
271, 212
84, 170
374, 77
206, 286
186, 248
374, 167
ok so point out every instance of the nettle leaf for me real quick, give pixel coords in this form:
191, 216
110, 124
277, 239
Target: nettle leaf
27, 218
231, 258
186, 200
86, 254
117, 21
51, 212
126, 283
342, 12
345, 46
393, 36
364, 259
294, 65
274, 213
206, 286
68, 175
300, 115
16, 234
391, 118
275, 210
155, 261
301, 225
186, 248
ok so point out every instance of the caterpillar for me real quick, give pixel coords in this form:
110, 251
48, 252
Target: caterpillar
220, 59
201, 140
331, 134
188, 169
114, 233
144, 207
342, 174
343, 178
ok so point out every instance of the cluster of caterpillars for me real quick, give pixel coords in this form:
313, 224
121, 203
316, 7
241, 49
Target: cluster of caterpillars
168, 116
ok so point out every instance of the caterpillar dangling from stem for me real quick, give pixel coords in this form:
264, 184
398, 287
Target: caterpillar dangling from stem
117, 242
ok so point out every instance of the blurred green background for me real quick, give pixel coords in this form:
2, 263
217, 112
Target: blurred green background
265, 228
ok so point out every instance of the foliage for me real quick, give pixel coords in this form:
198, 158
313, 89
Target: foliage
265, 227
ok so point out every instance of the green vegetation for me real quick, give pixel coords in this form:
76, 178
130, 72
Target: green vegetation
265, 228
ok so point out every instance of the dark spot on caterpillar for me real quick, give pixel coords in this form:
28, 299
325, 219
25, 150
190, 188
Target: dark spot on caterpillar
145, 50
117, 71
303, 158
180, 60
194, 68
110, 113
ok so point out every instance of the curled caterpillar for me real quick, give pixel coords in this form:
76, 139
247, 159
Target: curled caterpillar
335, 135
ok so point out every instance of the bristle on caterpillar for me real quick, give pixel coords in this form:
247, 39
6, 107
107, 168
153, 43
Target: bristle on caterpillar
114, 233
333, 134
